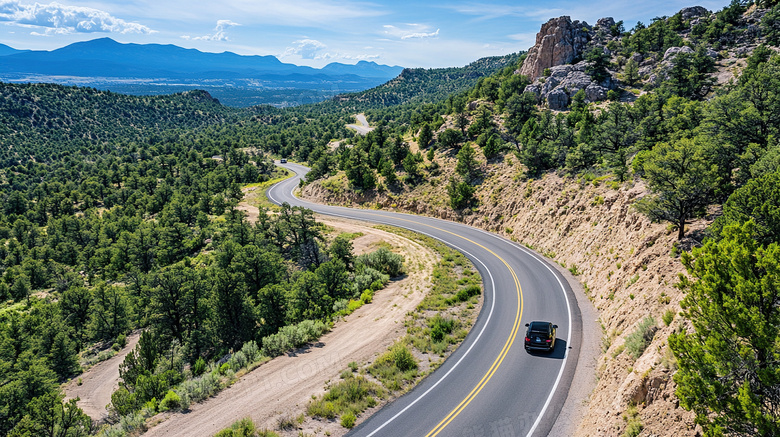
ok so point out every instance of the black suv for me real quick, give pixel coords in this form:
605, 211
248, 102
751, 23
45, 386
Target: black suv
540, 336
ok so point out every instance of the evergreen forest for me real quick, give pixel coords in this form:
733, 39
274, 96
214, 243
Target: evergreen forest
120, 213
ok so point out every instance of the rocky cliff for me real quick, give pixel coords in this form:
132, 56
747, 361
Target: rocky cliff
560, 41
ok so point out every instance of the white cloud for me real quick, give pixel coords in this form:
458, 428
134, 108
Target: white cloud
220, 32
421, 35
57, 18
311, 49
306, 49
485, 11
410, 31
318, 13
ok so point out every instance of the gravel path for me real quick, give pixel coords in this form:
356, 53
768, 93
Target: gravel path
99, 382
282, 387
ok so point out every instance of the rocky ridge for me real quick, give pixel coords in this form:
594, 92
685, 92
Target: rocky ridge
557, 72
559, 43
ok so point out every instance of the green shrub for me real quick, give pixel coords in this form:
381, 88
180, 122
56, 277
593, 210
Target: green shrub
367, 278
251, 351
350, 396
292, 336
133, 423
465, 294
171, 401
440, 327
367, 296
224, 368
340, 306
382, 260
637, 341
348, 420
353, 305
123, 401
633, 422
326, 410
245, 428
151, 405
238, 361
199, 367
198, 389
668, 317
403, 358
633, 429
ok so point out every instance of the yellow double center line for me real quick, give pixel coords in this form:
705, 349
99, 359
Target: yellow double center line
507, 345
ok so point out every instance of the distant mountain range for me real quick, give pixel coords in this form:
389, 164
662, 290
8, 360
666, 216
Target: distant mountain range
147, 68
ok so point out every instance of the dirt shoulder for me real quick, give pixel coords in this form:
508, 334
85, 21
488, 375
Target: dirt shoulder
281, 388
99, 382
627, 267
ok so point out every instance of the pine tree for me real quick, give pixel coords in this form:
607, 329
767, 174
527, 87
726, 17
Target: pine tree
728, 367
467, 165
631, 73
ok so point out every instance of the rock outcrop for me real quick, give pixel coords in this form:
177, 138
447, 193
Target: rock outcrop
565, 81
560, 41
693, 12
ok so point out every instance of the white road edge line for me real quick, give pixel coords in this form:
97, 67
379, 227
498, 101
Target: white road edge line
476, 340
568, 334
534, 256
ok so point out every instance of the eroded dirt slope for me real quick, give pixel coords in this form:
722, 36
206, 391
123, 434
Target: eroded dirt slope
626, 264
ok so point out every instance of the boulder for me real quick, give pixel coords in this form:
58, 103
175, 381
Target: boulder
559, 42
596, 93
693, 12
564, 82
605, 23
671, 52
557, 100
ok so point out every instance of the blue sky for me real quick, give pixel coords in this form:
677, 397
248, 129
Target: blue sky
434, 33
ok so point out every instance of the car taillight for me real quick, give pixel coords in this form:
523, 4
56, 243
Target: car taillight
548, 340
527, 339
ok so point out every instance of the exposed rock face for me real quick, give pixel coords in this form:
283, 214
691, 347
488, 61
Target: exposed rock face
693, 12
671, 52
564, 81
559, 42
605, 23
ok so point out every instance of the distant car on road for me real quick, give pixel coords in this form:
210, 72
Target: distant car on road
283, 161
540, 336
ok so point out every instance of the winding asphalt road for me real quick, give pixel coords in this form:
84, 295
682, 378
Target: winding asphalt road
490, 386
363, 128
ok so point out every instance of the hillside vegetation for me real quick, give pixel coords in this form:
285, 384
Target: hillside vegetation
121, 212
675, 141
